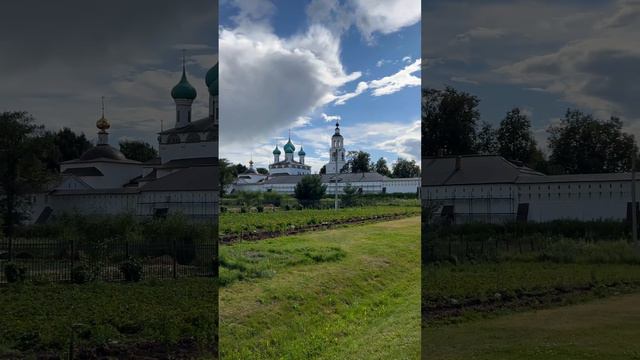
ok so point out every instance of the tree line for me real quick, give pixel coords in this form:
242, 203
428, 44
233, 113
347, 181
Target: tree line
578, 143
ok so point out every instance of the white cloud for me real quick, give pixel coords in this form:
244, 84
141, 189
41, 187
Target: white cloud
268, 82
385, 16
462, 79
406, 59
330, 117
386, 85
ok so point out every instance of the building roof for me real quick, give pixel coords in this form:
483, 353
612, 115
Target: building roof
183, 163
201, 125
473, 169
83, 171
201, 178
576, 178
344, 178
103, 151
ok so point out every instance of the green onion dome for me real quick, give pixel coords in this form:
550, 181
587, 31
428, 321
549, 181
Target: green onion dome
213, 88
276, 151
183, 90
289, 148
212, 75
301, 152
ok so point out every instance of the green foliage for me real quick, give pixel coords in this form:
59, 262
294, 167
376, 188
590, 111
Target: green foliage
309, 190
236, 223
349, 195
580, 143
131, 270
405, 169
449, 120
381, 167
83, 273
486, 140
359, 162
23, 153
515, 139
138, 150
14, 273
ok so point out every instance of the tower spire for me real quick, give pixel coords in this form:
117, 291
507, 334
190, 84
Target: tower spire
102, 98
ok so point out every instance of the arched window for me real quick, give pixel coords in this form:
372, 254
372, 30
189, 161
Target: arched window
173, 139
193, 138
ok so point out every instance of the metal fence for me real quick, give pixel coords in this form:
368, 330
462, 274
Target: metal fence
55, 259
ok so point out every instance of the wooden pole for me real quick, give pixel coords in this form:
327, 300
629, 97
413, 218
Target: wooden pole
634, 206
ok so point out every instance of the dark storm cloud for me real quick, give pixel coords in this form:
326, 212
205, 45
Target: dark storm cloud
92, 33
58, 57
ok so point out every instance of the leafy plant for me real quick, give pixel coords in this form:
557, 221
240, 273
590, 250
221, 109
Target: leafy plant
14, 273
131, 270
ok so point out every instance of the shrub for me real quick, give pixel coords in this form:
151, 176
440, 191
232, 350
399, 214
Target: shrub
260, 208
13, 273
131, 270
81, 274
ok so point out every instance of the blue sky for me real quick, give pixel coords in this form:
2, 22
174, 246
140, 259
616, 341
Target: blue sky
301, 65
64, 58
542, 56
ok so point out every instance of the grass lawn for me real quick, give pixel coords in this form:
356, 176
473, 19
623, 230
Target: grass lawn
348, 293
602, 329
171, 314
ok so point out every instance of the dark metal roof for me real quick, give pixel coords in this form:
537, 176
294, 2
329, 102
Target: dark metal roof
180, 163
103, 151
474, 169
202, 125
83, 171
201, 178
576, 178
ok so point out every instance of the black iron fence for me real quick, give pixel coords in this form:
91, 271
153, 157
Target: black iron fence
56, 259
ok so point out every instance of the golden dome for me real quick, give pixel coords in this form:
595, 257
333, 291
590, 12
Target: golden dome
103, 123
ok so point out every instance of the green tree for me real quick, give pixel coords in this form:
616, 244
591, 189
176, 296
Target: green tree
349, 195
70, 145
262, 171
358, 162
515, 140
138, 150
580, 143
487, 142
405, 169
449, 121
382, 168
323, 170
22, 169
240, 169
309, 190
228, 174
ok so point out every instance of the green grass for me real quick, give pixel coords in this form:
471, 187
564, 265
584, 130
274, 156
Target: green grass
38, 318
361, 304
235, 223
602, 329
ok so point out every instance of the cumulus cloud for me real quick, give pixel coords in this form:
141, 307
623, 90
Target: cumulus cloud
385, 16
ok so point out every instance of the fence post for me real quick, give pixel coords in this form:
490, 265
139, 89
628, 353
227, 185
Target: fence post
73, 254
126, 248
174, 258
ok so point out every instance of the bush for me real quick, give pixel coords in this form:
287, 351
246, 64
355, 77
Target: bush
81, 274
13, 273
131, 270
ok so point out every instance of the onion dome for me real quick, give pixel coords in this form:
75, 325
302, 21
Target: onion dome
103, 124
212, 75
289, 148
184, 90
276, 151
337, 133
301, 152
102, 152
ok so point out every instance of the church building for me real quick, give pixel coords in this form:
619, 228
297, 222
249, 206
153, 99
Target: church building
183, 179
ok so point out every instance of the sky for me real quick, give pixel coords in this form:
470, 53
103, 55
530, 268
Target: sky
57, 58
301, 65
540, 55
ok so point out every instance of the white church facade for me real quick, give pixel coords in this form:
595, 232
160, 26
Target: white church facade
183, 179
285, 174
483, 188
